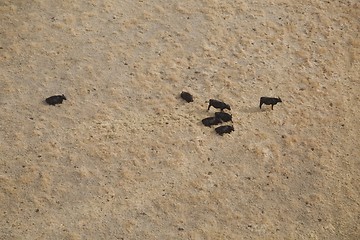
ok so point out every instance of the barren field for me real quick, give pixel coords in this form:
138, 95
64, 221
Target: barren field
124, 157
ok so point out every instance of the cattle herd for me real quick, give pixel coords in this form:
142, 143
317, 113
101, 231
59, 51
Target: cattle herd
222, 116
216, 119
219, 117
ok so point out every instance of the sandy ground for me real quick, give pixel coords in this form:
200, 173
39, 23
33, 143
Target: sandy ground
124, 157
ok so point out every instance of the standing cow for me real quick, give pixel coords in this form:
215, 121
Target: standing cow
224, 129
211, 121
225, 117
218, 104
187, 96
269, 101
57, 99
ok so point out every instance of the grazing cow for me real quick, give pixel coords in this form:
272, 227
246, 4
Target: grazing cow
211, 121
187, 96
224, 129
269, 101
53, 100
218, 104
225, 117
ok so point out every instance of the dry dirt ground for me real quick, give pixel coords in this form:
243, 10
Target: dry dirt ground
124, 157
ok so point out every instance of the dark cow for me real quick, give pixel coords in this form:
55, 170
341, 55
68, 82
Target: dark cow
225, 117
211, 121
57, 99
269, 101
218, 104
224, 129
187, 96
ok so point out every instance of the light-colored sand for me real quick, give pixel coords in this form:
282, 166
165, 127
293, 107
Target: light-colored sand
125, 158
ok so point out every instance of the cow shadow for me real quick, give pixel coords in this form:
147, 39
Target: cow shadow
253, 110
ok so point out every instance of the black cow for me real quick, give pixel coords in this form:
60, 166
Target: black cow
53, 100
211, 121
269, 101
186, 96
218, 104
224, 129
225, 117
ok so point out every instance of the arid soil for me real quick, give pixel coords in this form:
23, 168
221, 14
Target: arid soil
124, 157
